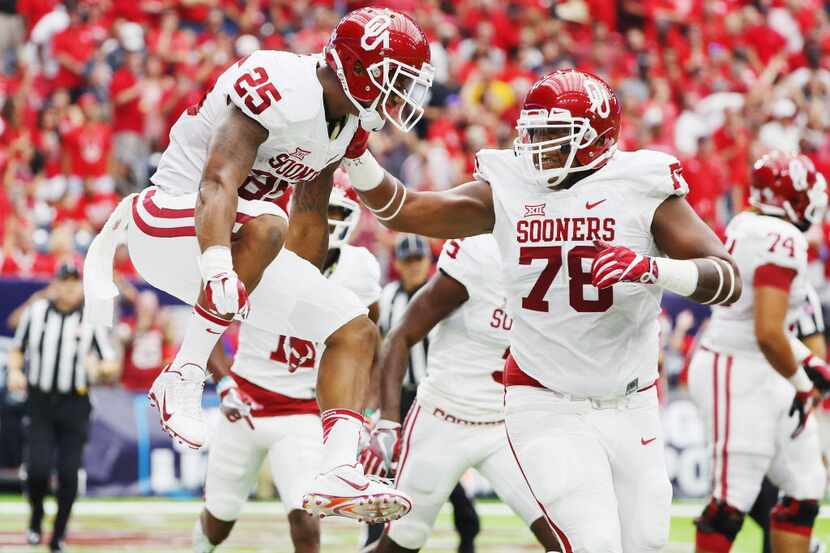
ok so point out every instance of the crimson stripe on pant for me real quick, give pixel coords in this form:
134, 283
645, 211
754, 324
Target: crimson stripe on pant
715, 437
406, 437
560, 535
727, 413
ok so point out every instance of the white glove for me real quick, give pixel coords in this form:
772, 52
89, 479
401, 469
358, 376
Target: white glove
236, 404
380, 457
225, 293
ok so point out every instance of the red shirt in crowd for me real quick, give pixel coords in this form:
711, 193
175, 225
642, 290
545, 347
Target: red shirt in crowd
79, 44
127, 117
144, 356
88, 147
16, 263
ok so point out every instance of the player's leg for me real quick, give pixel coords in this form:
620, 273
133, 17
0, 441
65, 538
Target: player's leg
766, 500
294, 458
633, 438
465, 518
501, 470
566, 468
161, 238
798, 470
233, 463
739, 410
434, 455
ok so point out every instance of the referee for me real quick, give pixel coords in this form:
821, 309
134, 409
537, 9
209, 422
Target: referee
413, 261
58, 351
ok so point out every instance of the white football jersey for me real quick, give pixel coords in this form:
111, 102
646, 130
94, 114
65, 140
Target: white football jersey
567, 334
755, 240
280, 91
467, 352
288, 364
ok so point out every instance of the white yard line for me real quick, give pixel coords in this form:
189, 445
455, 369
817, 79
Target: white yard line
93, 507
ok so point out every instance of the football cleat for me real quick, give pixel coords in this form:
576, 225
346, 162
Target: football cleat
346, 491
177, 394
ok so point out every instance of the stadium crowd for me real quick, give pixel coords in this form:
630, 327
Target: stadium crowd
90, 88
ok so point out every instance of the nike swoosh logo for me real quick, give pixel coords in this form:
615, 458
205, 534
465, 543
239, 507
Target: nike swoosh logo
165, 415
358, 487
646, 442
589, 205
212, 331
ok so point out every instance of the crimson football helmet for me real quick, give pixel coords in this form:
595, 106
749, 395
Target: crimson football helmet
381, 55
788, 185
585, 115
343, 198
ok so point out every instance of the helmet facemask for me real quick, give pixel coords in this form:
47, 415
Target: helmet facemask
408, 85
343, 217
570, 135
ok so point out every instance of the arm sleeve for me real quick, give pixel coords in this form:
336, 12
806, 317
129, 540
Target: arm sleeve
459, 260
773, 275
252, 88
21, 333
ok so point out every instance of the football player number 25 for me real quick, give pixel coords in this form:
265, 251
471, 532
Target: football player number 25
578, 279
257, 91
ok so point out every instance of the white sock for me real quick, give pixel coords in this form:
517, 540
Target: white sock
200, 542
200, 336
341, 436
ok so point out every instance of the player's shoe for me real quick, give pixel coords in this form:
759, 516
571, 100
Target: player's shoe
177, 394
347, 492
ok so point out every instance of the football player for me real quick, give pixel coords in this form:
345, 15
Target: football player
589, 237
457, 420
754, 382
271, 388
208, 232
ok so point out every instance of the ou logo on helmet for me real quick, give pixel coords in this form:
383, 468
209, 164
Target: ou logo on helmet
798, 174
598, 96
376, 32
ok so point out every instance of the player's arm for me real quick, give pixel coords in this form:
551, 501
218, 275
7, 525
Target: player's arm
437, 299
308, 227
465, 210
231, 155
698, 266
433, 303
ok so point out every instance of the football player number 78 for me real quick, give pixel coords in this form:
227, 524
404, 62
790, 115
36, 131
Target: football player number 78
578, 278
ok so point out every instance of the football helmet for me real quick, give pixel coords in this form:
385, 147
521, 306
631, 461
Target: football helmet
382, 60
788, 185
343, 198
572, 112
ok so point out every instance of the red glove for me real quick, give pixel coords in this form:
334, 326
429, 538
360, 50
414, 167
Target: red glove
380, 457
236, 403
615, 264
358, 145
818, 372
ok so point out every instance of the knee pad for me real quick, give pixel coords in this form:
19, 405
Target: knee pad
794, 515
718, 526
409, 533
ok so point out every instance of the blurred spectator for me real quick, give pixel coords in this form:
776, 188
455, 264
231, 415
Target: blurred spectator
131, 148
148, 343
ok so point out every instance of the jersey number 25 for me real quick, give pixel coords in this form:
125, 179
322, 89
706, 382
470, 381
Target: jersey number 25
256, 82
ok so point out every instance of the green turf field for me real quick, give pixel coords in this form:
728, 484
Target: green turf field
164, 526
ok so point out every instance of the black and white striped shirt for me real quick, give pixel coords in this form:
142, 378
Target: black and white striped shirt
56, 345
393, 302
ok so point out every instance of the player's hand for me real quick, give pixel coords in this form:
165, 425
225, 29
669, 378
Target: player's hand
802, 406
380, 457
358, 145
237, 404
226, 294
16, 381
819, 373
615, 264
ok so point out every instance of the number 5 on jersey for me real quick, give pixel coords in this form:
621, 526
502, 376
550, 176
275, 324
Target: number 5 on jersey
255, 82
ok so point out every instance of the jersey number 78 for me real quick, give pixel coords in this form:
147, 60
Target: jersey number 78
578, 278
